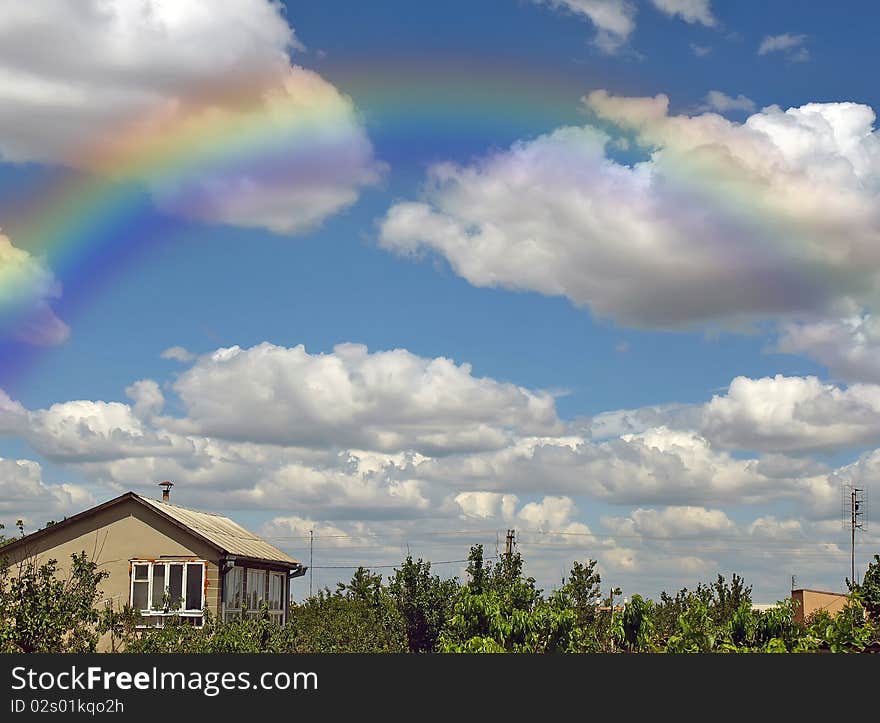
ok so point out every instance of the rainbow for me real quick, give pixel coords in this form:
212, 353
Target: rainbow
98, 209
92, 220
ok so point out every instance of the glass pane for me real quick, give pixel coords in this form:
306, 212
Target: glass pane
194, 586
175, 584
256, 588
139, 595
158, 586
232, 589
276, 585
142, 572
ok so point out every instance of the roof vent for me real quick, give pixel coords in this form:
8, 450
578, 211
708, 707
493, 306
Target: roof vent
166, 491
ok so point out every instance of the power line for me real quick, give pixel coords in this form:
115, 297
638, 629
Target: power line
379, 567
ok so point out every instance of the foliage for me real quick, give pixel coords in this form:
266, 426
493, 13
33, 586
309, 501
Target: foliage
696, 631
634, 630
722, 600
868, 593
849, 631
424, 601
43, 613
498, 609
346, 621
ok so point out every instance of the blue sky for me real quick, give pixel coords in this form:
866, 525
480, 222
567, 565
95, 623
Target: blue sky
534, 276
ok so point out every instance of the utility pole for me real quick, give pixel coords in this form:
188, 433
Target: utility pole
508, 548
311, 557
856, 514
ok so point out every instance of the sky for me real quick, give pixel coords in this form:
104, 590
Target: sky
404, 276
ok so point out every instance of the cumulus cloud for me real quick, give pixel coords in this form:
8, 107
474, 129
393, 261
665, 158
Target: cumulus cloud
13, 415
723, 103
792, 45
722, 223
553, 513
105, 85
27, 287
147, 397
672, 491
658, 466
614, 19
691, 11
178, 353
793, 414
486, 505
24, 495
849, 346
85, 430
672, 522
387, 400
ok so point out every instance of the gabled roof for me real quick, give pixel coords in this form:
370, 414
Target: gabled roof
219, 532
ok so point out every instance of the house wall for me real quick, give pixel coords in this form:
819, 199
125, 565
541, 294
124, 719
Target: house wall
112, 537
812, 600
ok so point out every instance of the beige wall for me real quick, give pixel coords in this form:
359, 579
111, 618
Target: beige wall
813, 600
114, 536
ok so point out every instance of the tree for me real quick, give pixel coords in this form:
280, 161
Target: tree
868, 593
635, 629
582, 589
424, 601
40, 613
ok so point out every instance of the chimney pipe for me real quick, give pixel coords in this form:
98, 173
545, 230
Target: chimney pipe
166, 490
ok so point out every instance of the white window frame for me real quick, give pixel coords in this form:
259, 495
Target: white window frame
166, 562
279, 615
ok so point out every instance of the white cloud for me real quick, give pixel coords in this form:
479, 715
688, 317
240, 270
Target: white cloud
617, 423
486, 505
701, 51
178, 353
793, 414
658, 466
614, 19
147, 397
770, 527
691, 11
13, 415
387, 400
27, 287
24, 495
673, 486
295, 531
790, 44
723, 223
849, 346
552, 513
110, 86
84, 430
672, 522
722, 103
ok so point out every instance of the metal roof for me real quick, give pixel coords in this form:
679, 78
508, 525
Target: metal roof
221, 531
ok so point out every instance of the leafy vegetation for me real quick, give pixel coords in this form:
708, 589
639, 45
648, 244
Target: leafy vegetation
497, 609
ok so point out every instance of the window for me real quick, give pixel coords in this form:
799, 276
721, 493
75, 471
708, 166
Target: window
247, 590
168, 587
233, 593
276, 597
256, 591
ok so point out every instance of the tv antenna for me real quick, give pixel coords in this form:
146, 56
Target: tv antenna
854, 514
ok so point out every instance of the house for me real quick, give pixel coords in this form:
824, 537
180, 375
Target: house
164, 560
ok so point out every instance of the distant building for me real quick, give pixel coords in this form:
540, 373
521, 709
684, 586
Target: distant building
810, 601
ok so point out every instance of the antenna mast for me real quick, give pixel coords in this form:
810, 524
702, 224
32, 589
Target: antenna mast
854, 510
